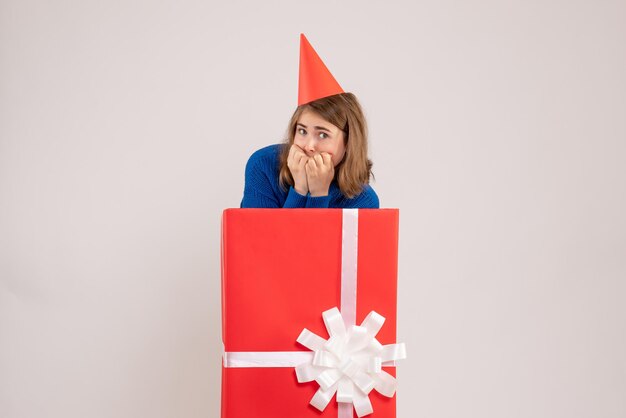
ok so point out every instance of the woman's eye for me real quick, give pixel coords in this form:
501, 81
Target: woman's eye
301, 131
325, 135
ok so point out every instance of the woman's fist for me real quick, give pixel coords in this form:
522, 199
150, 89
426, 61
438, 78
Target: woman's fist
296, 162
319, 174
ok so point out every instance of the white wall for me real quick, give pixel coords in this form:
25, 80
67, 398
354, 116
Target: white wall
498, 128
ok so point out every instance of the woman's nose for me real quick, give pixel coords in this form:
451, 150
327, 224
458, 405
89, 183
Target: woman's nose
310, 145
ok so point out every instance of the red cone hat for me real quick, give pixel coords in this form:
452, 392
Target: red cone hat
315, 80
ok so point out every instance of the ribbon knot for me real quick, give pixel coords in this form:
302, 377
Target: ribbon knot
349, 363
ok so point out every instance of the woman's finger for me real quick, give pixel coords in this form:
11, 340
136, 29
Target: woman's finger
302, 159
327, 159
319, 160
292, 150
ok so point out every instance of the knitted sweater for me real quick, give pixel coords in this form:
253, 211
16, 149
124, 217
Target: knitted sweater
262, 189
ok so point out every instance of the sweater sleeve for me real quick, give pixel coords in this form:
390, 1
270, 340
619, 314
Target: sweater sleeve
259, 187
257, 192
295, 199
318, 201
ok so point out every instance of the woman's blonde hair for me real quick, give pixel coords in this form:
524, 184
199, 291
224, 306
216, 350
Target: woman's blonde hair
344, 111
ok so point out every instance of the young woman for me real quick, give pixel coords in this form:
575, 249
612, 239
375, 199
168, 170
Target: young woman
323, 162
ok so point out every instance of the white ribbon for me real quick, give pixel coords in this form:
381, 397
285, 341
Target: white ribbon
349, 362
266, 358
349, 257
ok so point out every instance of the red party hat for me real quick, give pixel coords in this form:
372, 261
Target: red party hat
315, 80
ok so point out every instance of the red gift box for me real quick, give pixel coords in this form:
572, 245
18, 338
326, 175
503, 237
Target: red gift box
280, 270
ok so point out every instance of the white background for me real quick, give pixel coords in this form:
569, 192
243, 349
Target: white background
497, 127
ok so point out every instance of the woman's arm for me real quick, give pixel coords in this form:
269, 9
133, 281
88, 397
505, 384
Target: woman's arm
259, 187
367, 199
295, 199
257, 191
317, 202
256, 195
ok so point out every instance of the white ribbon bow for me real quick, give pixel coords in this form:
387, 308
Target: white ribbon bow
349, 362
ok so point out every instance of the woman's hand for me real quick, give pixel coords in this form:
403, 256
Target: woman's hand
296, 162
319, 173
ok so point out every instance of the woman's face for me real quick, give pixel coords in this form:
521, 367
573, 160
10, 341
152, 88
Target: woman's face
315, 135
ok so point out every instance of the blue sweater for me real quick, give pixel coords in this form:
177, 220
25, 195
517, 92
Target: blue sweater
262, 189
